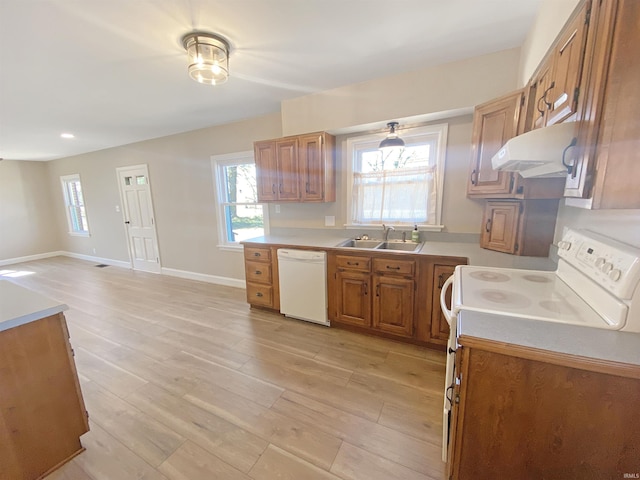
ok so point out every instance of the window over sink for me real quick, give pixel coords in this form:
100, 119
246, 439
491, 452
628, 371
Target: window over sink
403, 187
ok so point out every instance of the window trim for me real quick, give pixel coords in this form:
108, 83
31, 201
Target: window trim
352, 143
217, 163
64, 181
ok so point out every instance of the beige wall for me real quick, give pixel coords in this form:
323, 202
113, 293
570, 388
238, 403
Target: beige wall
459, 215
27, 225
182, 190
551, 17
443, 88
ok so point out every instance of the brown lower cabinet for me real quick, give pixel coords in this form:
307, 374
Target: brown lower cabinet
531, 414
42, 413
261, 272
390, 294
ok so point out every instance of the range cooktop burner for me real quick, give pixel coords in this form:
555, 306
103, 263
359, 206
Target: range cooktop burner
560, 307
536, 278
487, 276
511, 299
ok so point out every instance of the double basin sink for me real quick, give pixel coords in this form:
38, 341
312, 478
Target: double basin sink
398, 245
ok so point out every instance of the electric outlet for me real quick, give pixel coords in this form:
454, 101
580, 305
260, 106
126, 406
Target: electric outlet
330, 221
117, 208
94, 250
277, 208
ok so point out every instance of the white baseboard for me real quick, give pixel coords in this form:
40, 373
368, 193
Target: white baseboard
91, 258
28, 258
203, 277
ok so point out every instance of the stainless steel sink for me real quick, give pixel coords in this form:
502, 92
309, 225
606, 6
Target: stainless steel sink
360, 243
380, 245
402, 246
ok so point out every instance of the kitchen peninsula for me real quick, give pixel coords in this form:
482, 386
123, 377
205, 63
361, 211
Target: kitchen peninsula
42, 413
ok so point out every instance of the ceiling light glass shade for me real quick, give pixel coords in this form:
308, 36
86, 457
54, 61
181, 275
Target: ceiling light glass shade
208, 56
393, 141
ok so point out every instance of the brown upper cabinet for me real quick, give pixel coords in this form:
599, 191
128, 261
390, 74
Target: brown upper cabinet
494, 123
296, 169
557, 80
605, 162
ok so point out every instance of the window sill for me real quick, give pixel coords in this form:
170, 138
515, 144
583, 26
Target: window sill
79, 234
421, 228
231, 248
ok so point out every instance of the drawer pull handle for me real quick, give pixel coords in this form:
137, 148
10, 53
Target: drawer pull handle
258, 272
441, 281
353, 263
257, 254
259, 294
389, 267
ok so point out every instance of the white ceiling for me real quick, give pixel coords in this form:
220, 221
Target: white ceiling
114, 72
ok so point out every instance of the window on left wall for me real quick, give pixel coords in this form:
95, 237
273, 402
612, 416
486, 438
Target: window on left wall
240, 216
74, 203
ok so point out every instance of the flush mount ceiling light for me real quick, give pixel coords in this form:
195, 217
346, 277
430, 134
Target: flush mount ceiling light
393, 141
208, 57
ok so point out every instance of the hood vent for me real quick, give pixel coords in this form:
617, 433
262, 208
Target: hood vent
538, 153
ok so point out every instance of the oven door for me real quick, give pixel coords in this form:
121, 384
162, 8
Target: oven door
449, 378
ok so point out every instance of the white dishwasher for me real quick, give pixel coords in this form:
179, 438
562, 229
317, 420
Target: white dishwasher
303, 285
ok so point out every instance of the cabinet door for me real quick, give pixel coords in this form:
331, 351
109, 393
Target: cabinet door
500, 226
393, 304
353, 298
439, 325
540, 105
287, 161
266, 170
311, 161
494, 123
568, 57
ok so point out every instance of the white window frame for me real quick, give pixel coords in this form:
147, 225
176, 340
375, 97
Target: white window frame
355, 143
65, 180
218, 162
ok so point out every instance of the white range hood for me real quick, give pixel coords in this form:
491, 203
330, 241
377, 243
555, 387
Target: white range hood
537, 153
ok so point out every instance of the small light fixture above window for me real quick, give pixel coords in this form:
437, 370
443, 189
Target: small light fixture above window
392, 141
208, 56
67, 135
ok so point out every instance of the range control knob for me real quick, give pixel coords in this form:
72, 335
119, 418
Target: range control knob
600, 262
564, 245
607, 267
615, 274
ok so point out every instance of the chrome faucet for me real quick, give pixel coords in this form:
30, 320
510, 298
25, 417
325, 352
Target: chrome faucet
386, 231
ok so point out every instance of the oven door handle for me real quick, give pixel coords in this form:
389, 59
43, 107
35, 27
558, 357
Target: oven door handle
448, 314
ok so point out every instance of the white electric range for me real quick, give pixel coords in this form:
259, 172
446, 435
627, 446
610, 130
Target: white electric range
595, 285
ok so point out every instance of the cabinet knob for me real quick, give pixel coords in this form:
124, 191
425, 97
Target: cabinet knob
258, 272
256, 254
259, 294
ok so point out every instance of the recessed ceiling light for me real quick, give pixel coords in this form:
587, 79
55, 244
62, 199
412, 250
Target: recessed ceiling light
67, 135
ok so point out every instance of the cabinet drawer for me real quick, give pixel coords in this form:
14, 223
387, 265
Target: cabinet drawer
257, 254
348, 262
260, 294
258, 272
397, 267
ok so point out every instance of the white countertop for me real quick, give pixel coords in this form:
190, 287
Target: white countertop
471, 251
610, 345
19, 305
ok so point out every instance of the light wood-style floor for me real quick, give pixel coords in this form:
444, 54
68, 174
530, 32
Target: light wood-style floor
183, 381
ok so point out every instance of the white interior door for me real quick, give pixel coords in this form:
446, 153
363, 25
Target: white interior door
137, 208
